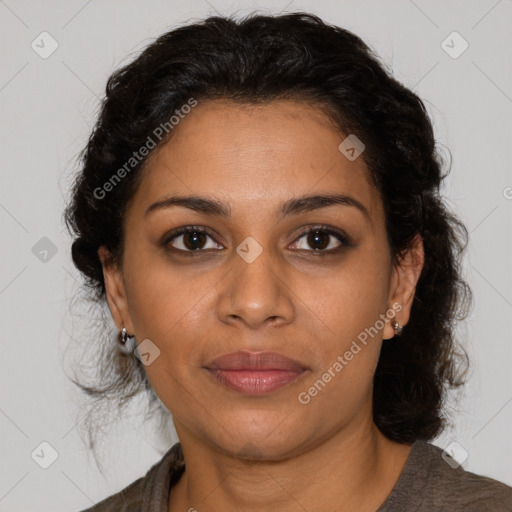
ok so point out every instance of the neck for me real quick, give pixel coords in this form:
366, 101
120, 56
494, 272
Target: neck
348, 471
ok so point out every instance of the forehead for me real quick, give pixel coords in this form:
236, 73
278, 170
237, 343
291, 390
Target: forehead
244, 154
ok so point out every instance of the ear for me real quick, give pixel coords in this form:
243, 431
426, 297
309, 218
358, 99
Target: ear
404, 278
115, 291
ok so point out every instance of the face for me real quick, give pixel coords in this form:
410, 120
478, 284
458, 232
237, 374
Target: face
261, 268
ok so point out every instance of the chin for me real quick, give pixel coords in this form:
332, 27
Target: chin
261, 439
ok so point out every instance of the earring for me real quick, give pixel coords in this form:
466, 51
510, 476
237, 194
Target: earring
397, 328
122, 337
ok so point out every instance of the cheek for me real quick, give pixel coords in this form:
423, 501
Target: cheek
167, 307
161, 295
352, 297
351, 304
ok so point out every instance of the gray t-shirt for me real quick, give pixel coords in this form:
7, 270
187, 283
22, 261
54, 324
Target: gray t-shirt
427, 484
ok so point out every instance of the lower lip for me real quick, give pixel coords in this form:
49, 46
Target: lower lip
254, 382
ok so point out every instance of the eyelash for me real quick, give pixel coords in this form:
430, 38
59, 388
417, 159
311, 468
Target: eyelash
339, 235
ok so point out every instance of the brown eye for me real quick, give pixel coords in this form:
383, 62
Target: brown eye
318, 239
192, 239
321, 240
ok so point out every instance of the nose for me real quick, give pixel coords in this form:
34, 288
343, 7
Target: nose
256, 294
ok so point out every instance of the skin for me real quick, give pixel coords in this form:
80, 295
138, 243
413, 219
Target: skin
269, 452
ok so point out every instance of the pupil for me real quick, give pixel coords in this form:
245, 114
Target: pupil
192, 239
316, 238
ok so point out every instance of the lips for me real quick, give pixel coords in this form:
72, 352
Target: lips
243, 360
255, 373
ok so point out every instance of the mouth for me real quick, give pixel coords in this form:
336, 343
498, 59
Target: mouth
255, 373
255, 382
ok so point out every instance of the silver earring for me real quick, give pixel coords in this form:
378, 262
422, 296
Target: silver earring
122, 337
397, 328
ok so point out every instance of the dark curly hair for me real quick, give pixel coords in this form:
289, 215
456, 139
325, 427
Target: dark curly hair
257, 60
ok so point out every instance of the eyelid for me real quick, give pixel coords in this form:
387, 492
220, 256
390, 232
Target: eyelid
183, 230
340, 235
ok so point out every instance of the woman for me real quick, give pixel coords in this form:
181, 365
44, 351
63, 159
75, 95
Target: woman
259, 205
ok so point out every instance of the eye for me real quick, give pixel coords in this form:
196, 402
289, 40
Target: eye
191, 238
316, 239
321, 239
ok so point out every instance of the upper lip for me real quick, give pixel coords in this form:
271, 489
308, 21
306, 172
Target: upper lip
245, 360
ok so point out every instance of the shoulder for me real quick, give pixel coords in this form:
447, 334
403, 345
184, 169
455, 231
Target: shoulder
150, 490
431, 480
127, 500
455, 486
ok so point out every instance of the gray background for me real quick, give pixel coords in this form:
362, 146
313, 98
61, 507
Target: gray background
47, 110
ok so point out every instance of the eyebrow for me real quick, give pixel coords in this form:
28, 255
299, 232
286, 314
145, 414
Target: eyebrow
293, 206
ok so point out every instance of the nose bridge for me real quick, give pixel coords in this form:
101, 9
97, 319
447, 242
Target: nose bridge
254, 292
